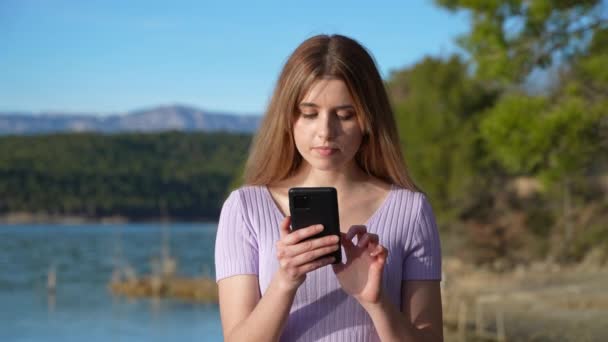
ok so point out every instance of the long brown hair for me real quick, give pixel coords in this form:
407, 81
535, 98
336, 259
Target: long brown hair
274, 157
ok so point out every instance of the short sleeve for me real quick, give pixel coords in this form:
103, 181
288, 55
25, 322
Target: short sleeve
236, 249
423, 257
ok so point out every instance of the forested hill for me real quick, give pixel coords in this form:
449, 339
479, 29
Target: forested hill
184, 176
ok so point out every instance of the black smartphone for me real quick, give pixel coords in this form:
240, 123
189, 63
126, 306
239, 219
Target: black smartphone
310, 206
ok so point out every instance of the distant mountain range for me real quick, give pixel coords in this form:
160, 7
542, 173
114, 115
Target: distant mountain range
162, 118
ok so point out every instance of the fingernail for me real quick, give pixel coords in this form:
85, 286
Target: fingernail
320, 227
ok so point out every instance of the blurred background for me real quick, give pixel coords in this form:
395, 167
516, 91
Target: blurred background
124, 125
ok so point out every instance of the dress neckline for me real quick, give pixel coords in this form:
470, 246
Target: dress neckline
370, 219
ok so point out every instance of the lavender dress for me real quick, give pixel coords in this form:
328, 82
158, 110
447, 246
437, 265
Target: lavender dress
249, 228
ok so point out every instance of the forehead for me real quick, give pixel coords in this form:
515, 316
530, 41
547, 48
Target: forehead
328, 92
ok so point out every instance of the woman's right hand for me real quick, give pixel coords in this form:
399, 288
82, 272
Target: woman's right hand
298, 257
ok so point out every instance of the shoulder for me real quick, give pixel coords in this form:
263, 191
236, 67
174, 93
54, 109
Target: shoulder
243, 200
414, 200
247, 189
246, 194
252, 203
410, 206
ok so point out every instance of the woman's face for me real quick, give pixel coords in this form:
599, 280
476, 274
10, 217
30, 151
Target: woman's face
326, 132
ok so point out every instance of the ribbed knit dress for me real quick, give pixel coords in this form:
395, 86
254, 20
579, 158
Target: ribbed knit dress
245, 244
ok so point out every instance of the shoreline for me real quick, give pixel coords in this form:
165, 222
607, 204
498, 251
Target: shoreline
41, 218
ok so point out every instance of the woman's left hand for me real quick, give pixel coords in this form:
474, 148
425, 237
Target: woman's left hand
361, 275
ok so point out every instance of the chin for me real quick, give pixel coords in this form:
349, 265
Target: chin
326, 165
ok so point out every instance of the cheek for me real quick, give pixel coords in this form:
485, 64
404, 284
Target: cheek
355, 137
299, 136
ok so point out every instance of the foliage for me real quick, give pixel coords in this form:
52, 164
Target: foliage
595, 236
140, 176
529, 136
510, 38
472, 128
437, 104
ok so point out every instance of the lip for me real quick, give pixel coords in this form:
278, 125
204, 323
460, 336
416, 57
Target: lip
325, 150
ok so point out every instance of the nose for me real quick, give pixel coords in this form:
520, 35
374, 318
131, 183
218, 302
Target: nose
327, 127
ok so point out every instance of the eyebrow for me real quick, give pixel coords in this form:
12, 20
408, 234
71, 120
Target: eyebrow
310, 104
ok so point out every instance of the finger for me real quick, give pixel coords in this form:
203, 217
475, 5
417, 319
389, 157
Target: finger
356, 230
378, 266
311, 266
379, 251
383, 255
284, 227
308, 257
347, 243
300, 234
374, 250
349, 249
339, 267
310, 245
368, 238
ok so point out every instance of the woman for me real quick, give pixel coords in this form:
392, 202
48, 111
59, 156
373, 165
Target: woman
329, 123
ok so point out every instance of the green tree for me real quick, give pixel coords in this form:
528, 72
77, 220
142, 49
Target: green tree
510, 38
437, 105
139, 176
560, 136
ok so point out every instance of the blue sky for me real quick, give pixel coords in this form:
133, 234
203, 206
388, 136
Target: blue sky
105, 57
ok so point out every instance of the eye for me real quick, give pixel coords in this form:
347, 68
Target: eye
346, 115
308, 115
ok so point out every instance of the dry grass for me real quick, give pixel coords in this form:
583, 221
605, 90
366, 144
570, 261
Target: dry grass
541, 302
198, 289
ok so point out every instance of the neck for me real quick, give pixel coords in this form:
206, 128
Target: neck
342, 179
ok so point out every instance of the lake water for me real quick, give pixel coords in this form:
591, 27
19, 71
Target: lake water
84, 257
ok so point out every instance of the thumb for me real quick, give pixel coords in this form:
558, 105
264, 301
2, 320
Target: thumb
284, 227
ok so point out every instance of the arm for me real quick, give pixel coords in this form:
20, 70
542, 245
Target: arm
420, 299
247, 316
420, 318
